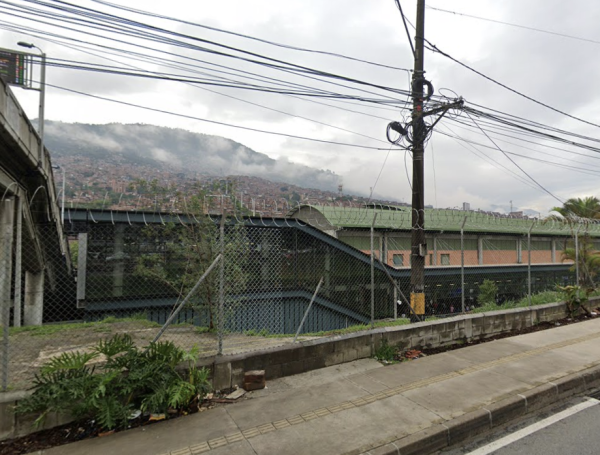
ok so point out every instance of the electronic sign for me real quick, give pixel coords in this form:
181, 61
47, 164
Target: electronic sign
14, 67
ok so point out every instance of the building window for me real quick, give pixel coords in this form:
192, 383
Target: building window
398, 260
445, 259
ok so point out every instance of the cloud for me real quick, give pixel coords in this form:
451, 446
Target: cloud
556, 70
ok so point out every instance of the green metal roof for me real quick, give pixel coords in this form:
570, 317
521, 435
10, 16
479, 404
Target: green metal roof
445, 220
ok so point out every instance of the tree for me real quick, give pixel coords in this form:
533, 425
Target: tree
181, 252
487, 292
589, 261
575, 208
579, 213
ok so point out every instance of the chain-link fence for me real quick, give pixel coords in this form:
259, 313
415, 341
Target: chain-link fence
230, 285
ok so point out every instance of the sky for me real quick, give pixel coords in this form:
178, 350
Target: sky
558, 69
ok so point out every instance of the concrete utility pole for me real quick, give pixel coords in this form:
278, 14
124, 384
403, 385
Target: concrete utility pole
418, 245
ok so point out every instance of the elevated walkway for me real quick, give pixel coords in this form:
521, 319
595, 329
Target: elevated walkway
33, 248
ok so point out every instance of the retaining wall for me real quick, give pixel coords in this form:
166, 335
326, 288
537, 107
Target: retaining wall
228, 371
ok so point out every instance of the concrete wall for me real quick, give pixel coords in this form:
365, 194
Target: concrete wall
309, 355
287, 360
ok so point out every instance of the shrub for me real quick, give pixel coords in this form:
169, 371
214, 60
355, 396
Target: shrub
129, 379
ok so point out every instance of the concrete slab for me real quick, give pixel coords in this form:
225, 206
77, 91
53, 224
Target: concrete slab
541, 368
236, 448
388, 419
415, 370
492, 350
292, 402
318, 377
456, 396
368, 383
560, 333
587, 352
158, 438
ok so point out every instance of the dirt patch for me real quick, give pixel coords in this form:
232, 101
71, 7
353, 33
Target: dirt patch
30, 349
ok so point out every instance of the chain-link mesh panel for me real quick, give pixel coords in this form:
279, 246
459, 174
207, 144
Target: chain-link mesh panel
282, 268
124, 276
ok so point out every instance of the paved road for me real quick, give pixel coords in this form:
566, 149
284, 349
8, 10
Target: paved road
571, 429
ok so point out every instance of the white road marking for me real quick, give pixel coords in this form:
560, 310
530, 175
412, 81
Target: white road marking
502, 442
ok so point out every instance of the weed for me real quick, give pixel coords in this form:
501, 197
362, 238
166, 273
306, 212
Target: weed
385, 351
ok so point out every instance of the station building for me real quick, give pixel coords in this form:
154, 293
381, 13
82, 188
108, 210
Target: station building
487, 238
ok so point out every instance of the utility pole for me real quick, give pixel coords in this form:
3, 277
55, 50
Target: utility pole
418, 245
416, 132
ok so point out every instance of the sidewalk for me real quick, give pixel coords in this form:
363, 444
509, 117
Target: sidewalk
362, 407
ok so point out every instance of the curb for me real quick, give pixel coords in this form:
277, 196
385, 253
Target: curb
484, 420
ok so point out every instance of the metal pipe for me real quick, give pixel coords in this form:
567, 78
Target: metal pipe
308, 309
187, 297
577, 255
221, 314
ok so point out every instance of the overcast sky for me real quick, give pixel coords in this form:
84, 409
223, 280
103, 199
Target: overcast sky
560, 71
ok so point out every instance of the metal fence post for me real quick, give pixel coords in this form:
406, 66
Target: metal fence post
577, 256
221, 322
462, 264
373, 271
18, 300
529, 264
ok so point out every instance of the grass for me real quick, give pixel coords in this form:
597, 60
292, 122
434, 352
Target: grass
350, 329
536, 299
139, 319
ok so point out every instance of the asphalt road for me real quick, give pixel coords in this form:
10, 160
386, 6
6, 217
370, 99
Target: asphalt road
573, 429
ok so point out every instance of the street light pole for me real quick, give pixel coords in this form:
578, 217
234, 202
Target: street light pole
42, 95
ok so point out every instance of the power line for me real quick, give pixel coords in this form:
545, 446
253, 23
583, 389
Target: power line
379, 175
406, 27
461, 141
495, 147
200, 119
138, 29
525, 27
467, 125
241, 35
434, 48
262, 106
513, 161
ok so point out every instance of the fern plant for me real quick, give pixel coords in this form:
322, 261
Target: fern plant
129, 378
